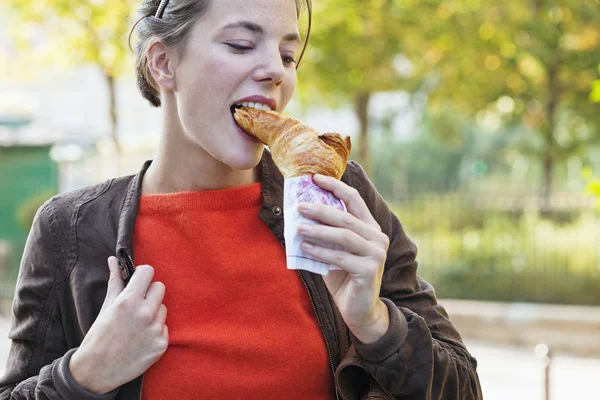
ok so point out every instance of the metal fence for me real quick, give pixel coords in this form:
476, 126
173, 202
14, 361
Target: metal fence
499, 245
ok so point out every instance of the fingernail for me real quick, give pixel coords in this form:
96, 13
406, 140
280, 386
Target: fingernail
303, 228
305, 207
307, 245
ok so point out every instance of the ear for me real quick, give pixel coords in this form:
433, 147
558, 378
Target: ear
162, 63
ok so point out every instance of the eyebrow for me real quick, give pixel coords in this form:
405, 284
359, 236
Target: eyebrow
255, 28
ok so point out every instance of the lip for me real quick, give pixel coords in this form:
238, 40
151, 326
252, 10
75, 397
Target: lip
272, 103
244, 134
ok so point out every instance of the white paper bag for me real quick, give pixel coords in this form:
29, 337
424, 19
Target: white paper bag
303, 190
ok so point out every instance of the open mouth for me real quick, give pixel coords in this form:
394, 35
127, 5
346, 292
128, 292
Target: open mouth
248, 105
232, 109
235, 107
240, 129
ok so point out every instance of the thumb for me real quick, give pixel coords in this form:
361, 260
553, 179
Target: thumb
115, 283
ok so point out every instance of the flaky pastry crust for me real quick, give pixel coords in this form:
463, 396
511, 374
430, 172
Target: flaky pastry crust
296, 148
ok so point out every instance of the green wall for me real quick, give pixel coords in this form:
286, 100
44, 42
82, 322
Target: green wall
25, 171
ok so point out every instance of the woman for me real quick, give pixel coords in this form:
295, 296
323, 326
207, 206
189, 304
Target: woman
240, 325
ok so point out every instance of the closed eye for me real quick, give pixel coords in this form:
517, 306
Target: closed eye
237, 47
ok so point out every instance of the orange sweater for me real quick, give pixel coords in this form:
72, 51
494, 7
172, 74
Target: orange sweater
241, 325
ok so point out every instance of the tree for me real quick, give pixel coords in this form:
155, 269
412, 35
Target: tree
353, 48
79, 33
520, 62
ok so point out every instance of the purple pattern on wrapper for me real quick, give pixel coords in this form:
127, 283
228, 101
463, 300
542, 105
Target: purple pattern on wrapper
304, 190
309, 192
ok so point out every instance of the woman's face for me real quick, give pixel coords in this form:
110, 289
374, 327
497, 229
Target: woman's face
240, 50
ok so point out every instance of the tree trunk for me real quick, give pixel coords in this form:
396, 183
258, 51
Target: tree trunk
112, 110
547, 182
362, 111
554, 90
550, 141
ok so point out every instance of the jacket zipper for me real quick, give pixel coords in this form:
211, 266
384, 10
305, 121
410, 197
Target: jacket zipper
379, 396
130, 260
141, 386
312, 303
128, 268
322, 332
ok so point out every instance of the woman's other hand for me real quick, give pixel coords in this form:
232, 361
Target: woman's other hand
128, 336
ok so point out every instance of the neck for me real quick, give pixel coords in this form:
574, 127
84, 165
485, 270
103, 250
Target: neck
164, 176
182, 165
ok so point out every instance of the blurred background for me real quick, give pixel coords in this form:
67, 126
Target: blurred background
477, 120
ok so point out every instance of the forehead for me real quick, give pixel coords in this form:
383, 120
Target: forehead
273, 15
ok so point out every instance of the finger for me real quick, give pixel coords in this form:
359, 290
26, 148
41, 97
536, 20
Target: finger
350, 196
115, 282
333, 217
350, 263
161, 315
140, 280
350, 241
155, 295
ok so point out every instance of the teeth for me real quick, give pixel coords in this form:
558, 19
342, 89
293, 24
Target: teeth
258, 106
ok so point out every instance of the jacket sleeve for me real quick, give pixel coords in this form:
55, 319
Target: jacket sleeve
421, 356
38, 360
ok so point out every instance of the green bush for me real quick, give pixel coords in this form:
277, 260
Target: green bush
26, 211
470, 252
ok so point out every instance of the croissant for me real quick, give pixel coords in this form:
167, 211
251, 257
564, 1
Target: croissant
296, 148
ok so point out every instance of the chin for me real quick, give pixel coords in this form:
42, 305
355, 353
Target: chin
244, 160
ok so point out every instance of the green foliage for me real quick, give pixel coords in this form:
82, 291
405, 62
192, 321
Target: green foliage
352, 48
77, 32
595, 95
422, 163
593, 184
430, 162
467, 249
503, 64
513, 58
27, 210
484, 284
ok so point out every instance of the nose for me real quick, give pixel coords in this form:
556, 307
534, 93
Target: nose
270, 68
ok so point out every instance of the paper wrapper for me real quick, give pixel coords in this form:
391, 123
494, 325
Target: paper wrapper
304, 190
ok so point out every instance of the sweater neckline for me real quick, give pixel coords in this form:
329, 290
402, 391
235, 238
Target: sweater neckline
206, 200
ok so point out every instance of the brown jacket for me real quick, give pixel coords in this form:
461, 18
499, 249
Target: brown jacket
63, 280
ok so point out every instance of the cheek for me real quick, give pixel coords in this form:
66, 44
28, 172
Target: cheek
216, 70
289, 87
204, 76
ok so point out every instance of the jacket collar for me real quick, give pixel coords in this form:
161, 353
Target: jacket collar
271, 211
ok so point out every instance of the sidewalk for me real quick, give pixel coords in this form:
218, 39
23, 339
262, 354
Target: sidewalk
565, 329
506, 372
516, 373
